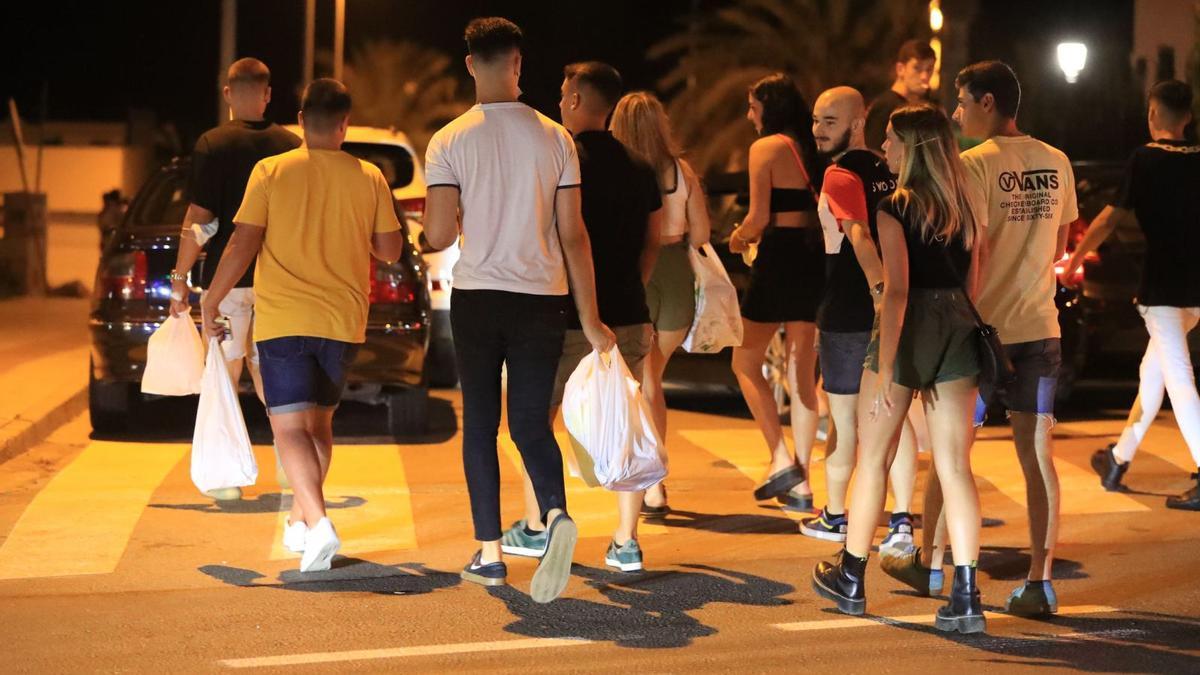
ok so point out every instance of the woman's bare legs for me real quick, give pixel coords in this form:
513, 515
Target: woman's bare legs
950, 408
800, 339
877, 440
747, 367
664, 345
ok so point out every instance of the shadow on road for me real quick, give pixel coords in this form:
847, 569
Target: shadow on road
648, 610
273, 502
1139, 642
348, 575
1010, 564
731, 523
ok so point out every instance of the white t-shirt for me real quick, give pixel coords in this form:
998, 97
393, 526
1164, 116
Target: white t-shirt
508, 161
1030, 191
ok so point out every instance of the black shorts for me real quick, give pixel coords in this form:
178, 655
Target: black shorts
787, 279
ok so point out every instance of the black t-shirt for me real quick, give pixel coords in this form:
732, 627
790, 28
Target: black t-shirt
1159, 187
619, 193
877, 118
928, 266
221, 167
853, 187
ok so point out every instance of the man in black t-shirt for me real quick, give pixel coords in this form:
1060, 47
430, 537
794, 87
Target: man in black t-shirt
914, 68
622, 212
1158, 194
221, 166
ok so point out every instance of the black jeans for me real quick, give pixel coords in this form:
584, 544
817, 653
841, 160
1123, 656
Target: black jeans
492, 328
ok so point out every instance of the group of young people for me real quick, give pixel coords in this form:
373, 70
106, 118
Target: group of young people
871, 260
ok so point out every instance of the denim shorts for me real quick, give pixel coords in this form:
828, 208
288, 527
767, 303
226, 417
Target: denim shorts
1037, 364
842, 356
299, 373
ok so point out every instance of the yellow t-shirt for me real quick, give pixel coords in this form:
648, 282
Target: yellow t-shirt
1030, 193
319, 208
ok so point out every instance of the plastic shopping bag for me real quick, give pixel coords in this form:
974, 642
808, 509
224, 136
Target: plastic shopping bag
221, 452
718, 322
606, 414
174, 359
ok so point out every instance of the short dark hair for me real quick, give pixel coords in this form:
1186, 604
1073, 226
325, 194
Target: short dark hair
248, 71
600, 77
492, 36
992, 77
915, 49
326, 102
1175, 96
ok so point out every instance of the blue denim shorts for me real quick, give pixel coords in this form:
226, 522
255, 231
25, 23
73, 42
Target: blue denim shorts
1037, 364
299, 373
842, 357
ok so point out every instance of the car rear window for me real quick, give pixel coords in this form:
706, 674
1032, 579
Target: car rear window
395, 162
163, 200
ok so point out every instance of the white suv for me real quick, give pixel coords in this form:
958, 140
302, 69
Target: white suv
393, 153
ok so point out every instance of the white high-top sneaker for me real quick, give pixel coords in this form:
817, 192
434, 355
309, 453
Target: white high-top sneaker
320, 545
293, 536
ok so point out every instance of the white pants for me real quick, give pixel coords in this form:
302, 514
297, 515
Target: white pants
1166, 367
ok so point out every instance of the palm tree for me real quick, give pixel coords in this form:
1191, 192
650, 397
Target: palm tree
820, 43
406, 86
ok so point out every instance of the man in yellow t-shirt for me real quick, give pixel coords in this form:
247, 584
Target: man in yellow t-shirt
313, 217
1030, 191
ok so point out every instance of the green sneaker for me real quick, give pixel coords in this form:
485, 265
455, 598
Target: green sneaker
516, 541
627, 558
1034, 599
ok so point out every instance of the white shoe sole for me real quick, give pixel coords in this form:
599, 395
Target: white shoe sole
624, 567
523, 552
323, 558
823, 535
554, 569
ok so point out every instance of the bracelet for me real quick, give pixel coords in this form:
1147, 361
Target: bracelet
176, 276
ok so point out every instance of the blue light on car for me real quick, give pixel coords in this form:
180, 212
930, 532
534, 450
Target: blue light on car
160, 290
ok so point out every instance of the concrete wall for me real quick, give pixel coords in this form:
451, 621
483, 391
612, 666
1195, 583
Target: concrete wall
74, 177
1163, 22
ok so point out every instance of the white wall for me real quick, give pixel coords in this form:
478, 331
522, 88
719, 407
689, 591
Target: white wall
74, 177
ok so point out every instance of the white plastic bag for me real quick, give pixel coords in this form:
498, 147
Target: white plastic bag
606, 414
221, 452
718, 322
174, 359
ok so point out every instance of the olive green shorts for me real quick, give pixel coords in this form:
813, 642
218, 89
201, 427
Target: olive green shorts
671, 293
938, 343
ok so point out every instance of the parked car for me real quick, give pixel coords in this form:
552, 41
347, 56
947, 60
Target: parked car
393, 153
132, 297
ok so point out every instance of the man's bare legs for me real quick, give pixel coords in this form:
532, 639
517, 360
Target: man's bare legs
1035, 450
841, 449
305, 442
663, 346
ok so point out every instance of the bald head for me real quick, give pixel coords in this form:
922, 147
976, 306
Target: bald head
839, 117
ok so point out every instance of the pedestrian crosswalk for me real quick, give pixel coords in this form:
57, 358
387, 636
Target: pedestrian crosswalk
82, 519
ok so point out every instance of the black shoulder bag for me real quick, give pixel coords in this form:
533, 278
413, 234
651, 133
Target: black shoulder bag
995, 368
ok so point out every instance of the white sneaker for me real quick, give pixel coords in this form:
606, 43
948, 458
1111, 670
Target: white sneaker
293, 536
320, 544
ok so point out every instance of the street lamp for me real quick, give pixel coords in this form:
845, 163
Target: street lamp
1072, 57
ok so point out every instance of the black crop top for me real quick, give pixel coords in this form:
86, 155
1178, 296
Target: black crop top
927, 260
788, 200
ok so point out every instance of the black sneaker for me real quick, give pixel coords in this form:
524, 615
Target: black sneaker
1105, 463
491, 574
825, 526
963, 612
843, 583
1188, 501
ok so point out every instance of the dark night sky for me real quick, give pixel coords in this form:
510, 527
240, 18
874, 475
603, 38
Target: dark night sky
102, 59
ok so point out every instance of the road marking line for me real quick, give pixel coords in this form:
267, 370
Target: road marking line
401, 652
593, 509
746, 451
81, 522
385, 522
830, 624
996, 461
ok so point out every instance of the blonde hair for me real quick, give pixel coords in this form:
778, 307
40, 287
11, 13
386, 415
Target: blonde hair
933, 181
640, 122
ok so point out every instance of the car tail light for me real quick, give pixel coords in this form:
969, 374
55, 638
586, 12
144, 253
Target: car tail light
125, 276
413, 208
388, 287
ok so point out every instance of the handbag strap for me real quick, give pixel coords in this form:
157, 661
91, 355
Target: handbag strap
979, 322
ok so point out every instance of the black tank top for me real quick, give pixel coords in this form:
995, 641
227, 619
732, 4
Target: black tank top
931, 264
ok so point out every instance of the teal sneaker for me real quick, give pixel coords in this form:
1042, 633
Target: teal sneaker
517, 540
627, 558
1033, 599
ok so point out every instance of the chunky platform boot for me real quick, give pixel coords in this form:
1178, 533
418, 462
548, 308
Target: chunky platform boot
843, 583
963, 613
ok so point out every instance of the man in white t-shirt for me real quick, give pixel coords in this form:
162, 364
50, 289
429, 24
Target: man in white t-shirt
1030, 192
507, 178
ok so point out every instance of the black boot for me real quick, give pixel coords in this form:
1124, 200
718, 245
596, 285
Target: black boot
1105, 463
1188, 501
963, 613
843, 583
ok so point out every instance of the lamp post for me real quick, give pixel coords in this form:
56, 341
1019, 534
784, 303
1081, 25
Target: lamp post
1072, 57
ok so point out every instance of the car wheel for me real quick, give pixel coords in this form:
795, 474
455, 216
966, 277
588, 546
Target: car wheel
109, 403
408, 411
775, 370
441, 369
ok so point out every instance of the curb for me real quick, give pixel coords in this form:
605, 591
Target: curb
29, 429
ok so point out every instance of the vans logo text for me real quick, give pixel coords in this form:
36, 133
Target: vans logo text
1041, 179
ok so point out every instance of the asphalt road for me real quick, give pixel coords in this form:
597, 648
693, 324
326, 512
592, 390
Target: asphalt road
111, 562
